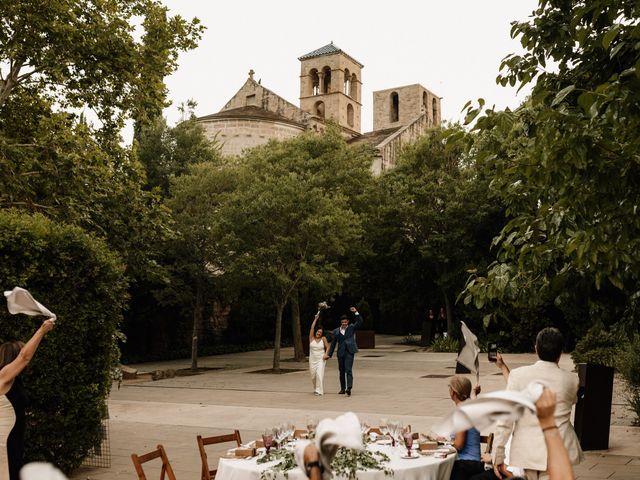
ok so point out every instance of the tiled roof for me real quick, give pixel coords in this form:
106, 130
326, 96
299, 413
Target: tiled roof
248, 112
328, 49
375, 138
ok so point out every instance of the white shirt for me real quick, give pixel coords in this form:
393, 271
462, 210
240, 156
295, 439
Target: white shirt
343, 330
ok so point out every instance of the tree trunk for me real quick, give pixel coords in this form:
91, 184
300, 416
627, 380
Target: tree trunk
197, 321
298, 352
449, 311
276, 343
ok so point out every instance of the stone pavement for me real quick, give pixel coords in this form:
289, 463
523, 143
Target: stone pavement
392, 381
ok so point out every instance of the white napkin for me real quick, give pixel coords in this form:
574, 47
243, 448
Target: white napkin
20, 300
482, 412
468, 356
41, 471
343, 431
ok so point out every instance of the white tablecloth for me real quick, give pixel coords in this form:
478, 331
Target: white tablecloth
421, 468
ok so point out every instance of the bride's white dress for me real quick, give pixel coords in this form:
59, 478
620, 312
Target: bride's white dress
316, 364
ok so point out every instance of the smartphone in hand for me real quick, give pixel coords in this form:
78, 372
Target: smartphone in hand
493, 352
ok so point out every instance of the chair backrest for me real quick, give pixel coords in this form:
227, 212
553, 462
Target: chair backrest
488, 440
166, 472
208, 474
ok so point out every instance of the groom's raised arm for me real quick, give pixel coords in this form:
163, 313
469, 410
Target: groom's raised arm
333, 344
359, 320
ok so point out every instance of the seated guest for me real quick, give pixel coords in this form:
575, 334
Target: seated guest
467, 443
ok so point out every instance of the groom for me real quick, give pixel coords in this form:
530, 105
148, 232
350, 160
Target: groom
345, 336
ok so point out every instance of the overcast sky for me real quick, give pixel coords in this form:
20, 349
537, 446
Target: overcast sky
452, 47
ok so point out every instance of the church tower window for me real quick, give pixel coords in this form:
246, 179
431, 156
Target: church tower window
394, 110
315, 82
434, 111
347, 82
319, 109
326, 80
350, 115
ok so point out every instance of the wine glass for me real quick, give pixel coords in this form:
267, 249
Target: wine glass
408, 441
276, 432
364, 428
384, 426
312, 423
267, 439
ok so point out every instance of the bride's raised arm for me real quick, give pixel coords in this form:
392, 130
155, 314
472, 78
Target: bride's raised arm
313, 325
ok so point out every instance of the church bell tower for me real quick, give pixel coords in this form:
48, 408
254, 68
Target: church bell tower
330, 86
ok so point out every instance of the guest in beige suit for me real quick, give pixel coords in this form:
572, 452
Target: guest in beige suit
528, 449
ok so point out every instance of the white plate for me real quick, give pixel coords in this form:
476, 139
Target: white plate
407, 457
383, 441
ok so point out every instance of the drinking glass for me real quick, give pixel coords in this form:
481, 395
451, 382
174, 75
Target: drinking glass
267, 438
384, 426
408, 441
312, 423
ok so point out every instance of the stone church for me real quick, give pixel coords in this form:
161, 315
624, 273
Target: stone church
330, 88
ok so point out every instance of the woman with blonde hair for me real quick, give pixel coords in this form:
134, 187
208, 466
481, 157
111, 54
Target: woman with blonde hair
14, 357
467, 443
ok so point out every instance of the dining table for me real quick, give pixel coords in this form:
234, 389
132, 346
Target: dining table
431, 465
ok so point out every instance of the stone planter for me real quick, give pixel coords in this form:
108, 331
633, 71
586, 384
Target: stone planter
366, 339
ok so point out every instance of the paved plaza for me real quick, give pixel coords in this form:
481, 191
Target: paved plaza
392, 381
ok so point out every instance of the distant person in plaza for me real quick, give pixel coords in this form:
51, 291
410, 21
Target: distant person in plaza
428, 325
345, 338
318, 347
466, 443
528, 449
14, 357
442, 323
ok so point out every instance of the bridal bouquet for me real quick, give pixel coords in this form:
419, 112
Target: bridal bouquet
323, 306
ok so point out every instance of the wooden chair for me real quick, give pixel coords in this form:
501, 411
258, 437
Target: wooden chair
202, 442
488, 441
158, 453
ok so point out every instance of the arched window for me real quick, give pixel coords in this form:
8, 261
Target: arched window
425, 102
350, 115
434, 111
354, 87
327, 79
394, 107
347, 82
315, 82
319, 109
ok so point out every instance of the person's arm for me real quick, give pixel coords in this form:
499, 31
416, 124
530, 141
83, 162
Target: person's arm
326, 344
359, 319
311, 457
558, 463
333, 345
500, 363
11, 371
502, 433
313, 325
458, 442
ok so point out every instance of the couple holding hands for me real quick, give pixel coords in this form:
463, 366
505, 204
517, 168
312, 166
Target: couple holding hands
319, 351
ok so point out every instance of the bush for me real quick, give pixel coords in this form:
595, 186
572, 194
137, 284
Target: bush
68, 381
597, 347
629, 366
447, 344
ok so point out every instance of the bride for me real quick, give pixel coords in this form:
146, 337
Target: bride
318, 346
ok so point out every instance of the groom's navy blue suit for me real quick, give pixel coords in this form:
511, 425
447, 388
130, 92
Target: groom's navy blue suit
347, 348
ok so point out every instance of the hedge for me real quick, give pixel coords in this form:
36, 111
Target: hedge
68, 381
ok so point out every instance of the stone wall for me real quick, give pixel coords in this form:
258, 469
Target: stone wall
254, 94
389, 150
413, 101
236, 135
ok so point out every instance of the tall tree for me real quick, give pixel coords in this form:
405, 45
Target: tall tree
572, 190
84, 53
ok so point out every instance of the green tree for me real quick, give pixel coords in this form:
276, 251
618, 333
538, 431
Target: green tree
275, 218
67, 383
571, 188
432, 219
167, 152
84, 53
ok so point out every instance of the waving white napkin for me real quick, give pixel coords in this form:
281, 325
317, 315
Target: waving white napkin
468, 356
20, 300
41, 471
343, 431
489, 408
